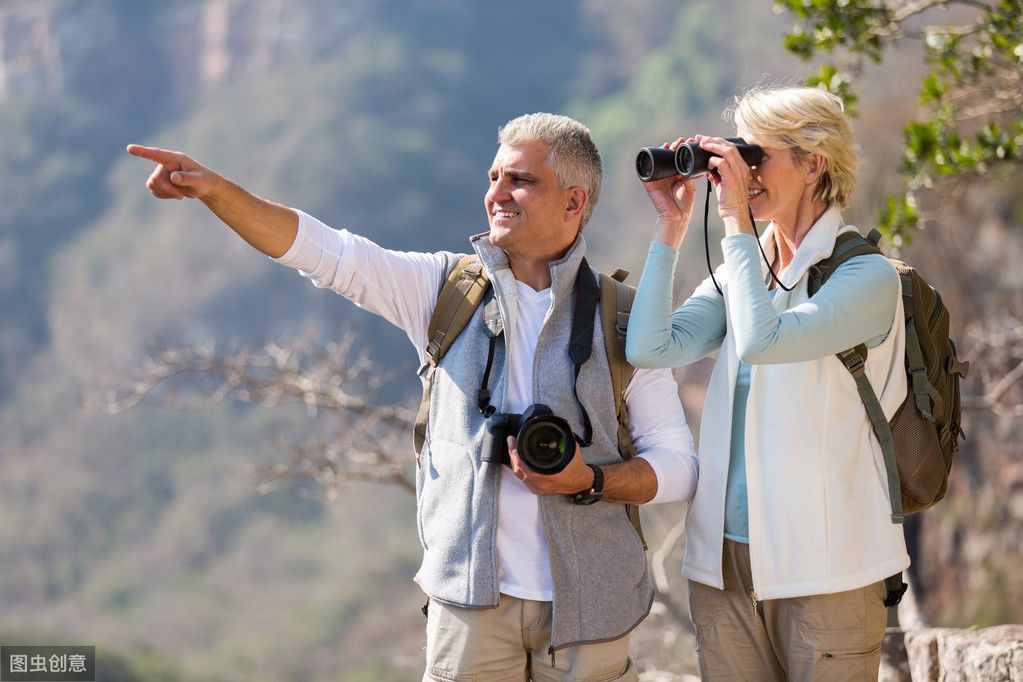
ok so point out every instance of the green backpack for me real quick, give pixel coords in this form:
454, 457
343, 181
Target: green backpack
464, 291
920, 441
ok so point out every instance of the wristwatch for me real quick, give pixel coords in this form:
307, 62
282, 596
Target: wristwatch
593, 493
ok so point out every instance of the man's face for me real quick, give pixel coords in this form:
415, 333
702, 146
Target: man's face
529, 214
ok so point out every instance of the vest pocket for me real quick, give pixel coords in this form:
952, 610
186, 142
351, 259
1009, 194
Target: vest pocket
445, 493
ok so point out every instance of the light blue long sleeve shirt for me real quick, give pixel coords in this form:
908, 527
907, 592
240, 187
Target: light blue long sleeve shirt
856, 305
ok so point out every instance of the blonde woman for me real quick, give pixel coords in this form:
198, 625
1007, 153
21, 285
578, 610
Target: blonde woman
789, 538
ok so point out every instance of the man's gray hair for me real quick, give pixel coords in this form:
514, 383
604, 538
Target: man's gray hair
573, 155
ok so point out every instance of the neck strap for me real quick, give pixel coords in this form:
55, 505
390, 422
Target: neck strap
585, 293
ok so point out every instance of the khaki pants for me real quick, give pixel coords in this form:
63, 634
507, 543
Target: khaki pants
832, 637
510, 643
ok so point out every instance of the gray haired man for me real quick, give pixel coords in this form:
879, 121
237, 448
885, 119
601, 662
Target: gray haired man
523, 582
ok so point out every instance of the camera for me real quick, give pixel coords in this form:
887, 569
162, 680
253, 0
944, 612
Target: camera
655, 163
545, 441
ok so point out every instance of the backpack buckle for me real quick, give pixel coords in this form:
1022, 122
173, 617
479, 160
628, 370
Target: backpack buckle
853, 361
895, 588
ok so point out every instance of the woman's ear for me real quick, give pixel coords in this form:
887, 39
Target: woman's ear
816, 164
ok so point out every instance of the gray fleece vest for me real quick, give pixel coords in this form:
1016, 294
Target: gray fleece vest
602, 589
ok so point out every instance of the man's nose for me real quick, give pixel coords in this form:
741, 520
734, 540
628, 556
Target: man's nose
499, 190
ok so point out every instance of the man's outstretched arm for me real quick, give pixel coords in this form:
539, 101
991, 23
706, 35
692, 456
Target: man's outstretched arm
268, 227
399, 286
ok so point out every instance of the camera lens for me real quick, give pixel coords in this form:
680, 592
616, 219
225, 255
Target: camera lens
545, 445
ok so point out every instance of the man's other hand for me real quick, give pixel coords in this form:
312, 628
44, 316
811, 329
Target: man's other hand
570, 480
176, 176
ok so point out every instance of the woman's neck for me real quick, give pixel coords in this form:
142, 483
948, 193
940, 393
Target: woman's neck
790, 231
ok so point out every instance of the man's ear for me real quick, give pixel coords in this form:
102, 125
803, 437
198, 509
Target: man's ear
577, 199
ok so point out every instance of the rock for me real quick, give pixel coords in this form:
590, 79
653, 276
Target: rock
992, 654
894, 666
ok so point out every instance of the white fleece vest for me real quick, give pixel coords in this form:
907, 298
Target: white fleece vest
818, 495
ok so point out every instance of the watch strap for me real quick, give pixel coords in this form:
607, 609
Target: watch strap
595, 492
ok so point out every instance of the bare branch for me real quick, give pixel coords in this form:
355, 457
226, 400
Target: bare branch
997, 354
317, 378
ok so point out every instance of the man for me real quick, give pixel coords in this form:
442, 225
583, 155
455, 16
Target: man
523, 582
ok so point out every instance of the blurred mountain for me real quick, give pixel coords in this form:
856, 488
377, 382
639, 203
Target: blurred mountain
145, 532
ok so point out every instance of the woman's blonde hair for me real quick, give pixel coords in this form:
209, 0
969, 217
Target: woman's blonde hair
806, 121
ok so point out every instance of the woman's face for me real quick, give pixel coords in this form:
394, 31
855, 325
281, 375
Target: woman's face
780, 184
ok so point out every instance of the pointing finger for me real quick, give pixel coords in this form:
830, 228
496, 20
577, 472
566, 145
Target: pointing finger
155, 154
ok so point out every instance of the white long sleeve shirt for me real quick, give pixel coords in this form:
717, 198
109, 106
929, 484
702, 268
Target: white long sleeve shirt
402, 288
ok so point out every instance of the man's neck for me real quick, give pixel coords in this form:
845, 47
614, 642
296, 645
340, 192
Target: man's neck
535, 272
535, 269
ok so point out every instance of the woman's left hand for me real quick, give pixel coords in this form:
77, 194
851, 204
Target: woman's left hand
730, 175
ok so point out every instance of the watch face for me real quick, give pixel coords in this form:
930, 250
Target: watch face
587, 497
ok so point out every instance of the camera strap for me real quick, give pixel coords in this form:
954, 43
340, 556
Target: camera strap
580, 345
586, 293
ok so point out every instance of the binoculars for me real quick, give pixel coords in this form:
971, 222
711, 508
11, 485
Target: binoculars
689, 160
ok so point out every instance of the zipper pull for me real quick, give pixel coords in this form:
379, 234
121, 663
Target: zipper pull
756, 604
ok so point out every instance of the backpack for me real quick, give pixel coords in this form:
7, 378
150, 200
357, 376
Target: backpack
920, 441
463, 292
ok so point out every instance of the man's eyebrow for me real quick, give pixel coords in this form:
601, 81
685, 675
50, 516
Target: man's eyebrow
514, 172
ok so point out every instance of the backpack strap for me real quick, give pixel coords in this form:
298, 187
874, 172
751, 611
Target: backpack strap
460, 295
850, 245
615, 306
855, 360
924, 393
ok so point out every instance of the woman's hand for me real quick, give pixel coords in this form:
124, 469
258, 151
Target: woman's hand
730, 175
673, 200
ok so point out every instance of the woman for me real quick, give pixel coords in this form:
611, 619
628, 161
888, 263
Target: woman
789, 538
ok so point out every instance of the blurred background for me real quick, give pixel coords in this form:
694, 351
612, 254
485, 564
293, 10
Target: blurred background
181, 533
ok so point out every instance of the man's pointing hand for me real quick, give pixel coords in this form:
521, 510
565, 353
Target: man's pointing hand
176, 176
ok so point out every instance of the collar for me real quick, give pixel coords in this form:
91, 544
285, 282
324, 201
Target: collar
563, 270
817, 245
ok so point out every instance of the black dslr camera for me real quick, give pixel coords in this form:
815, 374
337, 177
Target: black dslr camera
545, 441
655, 163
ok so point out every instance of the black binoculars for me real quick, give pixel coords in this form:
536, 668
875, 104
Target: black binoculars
655, 163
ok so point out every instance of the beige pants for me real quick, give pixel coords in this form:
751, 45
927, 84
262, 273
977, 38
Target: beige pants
832, 637
510, 643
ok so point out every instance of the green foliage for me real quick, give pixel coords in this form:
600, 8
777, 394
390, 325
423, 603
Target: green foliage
858, 25
898, 211
973, 117
837, 83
